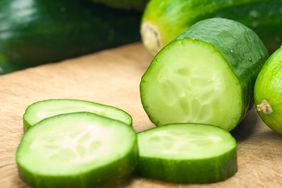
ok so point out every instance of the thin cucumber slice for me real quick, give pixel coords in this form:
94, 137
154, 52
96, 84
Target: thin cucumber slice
187, 153
206, 75
47, 108
78, 150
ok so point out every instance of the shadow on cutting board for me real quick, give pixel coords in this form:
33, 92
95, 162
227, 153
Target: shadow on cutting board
248, 126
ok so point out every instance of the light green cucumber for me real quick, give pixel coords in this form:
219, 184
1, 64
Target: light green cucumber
268, 92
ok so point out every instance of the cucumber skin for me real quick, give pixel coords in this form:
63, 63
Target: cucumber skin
39, 31
171, 18
113, 173
245, 57
124, 4
188, 171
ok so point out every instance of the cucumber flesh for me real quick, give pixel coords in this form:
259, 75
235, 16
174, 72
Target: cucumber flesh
191, 82
47, 108
76, 150
187, 153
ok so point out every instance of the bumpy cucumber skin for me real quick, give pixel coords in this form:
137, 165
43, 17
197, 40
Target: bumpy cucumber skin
268, 88
28, 125
124, 4
34, 32
189, 171
245, 53
113, 173
171, 18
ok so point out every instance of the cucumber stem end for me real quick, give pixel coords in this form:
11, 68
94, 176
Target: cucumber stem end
264, 107
151, 37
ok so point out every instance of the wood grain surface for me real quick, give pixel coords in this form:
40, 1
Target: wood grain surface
112, 77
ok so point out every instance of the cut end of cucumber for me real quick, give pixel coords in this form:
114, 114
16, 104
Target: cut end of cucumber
187, 153
264, 107
190, 82
151, 37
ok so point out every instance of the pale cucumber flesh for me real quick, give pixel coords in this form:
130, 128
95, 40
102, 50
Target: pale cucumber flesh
48, 108
190, 82
76, 150
187, 153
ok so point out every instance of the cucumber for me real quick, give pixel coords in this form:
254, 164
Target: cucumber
80, 150
268, 93
47, 108
206, 75
163, 20
187, 153
124, 4
34, 32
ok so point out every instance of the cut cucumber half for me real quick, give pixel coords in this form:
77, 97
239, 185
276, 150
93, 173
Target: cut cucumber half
78, 150
47, 108
187, 153
206, 75
268, 92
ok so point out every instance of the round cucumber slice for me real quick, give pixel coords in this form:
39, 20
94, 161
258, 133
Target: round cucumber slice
206, 75
268, 92
47, 108
77, 150
187, 153
191, 82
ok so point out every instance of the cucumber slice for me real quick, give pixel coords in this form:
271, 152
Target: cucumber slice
268, 92
47, 108
206, 75
78, 150
187, 153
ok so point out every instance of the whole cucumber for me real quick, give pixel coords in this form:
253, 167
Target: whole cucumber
163, 20
34, 32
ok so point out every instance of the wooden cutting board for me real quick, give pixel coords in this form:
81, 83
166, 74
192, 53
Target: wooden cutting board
112, 77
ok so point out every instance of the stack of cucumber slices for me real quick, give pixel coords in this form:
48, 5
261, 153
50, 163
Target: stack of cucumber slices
73, 143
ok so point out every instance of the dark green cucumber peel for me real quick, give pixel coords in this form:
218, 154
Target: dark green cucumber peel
57, 153
187, 153
163, 20
124, 4
206, 75
34, 32
51, 107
